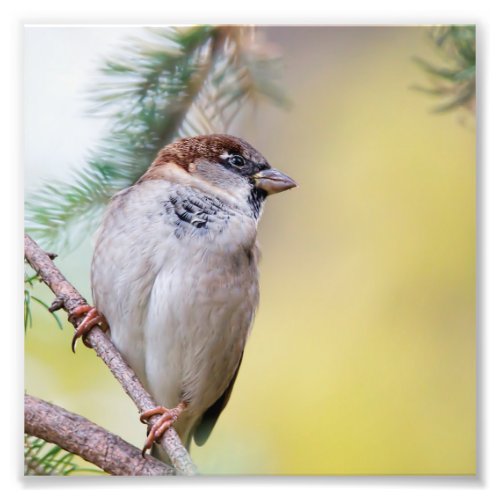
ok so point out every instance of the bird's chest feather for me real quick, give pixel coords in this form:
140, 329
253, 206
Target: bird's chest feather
203, 299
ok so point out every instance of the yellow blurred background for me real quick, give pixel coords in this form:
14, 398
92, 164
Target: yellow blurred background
362, 357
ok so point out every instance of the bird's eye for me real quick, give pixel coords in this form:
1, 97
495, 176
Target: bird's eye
237, 161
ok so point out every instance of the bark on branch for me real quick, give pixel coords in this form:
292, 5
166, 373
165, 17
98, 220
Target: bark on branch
68, 298
78, 435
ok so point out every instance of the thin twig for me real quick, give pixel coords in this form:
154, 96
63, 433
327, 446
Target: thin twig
78, 435
69, 298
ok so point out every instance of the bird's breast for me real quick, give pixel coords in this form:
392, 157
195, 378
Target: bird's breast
203, 299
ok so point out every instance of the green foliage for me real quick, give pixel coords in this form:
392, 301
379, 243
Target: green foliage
29, 298
171, 82
44, 459
455, 81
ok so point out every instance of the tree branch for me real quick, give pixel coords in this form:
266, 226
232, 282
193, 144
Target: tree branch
78, 435
69, 298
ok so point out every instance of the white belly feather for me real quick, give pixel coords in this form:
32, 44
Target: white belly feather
196, 328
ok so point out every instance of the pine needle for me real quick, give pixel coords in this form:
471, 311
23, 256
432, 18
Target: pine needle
29, 298
44, 459
455, 82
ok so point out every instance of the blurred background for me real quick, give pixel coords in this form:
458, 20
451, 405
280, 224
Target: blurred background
362, 356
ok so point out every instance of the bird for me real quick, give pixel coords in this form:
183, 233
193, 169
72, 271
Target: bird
174, 276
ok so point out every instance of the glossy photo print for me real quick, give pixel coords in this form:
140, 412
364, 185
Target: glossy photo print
249, 250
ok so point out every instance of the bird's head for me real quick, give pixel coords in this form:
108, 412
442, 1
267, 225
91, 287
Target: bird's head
222, 165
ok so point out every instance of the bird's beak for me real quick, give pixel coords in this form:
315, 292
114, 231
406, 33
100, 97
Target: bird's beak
273, 181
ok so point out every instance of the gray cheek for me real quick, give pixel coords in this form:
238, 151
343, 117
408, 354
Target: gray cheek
220, 176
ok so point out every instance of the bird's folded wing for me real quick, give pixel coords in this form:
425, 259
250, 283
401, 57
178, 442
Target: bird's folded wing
204, 428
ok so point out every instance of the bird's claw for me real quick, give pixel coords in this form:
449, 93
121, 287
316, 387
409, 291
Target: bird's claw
91, 319
166, 420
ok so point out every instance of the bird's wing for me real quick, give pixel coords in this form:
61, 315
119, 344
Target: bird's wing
210, 417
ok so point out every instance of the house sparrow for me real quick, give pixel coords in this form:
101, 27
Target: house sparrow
175, 275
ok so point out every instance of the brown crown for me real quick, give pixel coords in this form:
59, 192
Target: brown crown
209, 147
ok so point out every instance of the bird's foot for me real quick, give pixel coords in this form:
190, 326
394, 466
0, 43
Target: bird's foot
91, 319
167, 419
